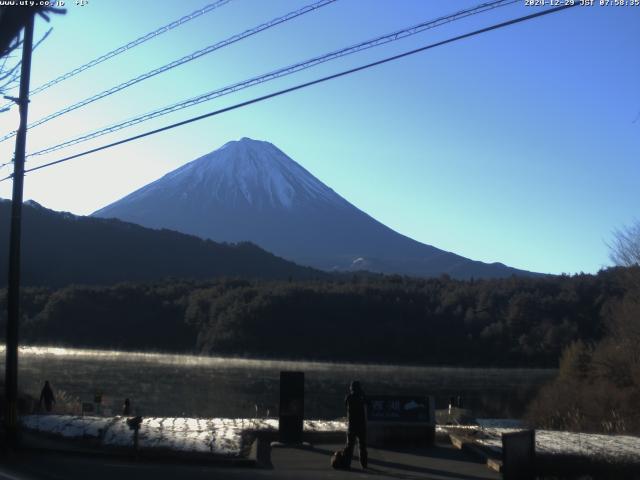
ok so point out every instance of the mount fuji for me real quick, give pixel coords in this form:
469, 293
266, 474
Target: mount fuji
249, 190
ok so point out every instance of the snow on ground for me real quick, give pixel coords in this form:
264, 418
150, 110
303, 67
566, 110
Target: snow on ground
325, 425
219, 436
227, 436
619, 448
68, 426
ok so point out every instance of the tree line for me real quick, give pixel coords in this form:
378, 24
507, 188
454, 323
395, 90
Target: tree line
363, 317
598, 384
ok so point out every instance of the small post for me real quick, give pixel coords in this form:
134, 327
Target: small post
97, 399
13, 293
518, 455
291, 415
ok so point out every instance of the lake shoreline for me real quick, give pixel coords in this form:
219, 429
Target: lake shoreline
186, 385
250, 360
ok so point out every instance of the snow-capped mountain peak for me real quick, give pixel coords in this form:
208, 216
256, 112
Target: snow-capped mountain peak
249, 190
247, 171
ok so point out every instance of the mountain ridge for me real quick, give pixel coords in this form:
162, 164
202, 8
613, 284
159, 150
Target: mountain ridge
60, 248
249, 190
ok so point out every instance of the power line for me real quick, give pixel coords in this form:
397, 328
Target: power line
197, 54
128, 46
297, 67
304, 85
12, 75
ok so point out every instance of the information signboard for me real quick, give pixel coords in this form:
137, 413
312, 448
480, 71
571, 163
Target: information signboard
393, 408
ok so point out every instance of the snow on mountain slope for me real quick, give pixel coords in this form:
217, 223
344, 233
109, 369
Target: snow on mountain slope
251, 190
244, 172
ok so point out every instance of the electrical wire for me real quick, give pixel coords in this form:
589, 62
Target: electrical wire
128, 46
13, 74
297, 67
181, 61
305, 85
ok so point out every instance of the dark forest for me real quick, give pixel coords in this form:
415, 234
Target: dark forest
362, 317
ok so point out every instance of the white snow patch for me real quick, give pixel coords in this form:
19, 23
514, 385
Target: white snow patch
619, 448
69, 426
219, 436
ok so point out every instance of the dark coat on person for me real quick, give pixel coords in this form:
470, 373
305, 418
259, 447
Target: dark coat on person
356, 411
357, 425
46, 396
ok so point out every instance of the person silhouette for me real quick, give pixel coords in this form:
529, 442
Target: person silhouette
357, 424
126, 407
46, 396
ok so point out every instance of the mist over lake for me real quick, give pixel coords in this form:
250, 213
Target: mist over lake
184, 385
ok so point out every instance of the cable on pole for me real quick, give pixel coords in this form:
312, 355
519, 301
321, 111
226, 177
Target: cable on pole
181, 61
11, 428
128, 46
304, 85
297, 67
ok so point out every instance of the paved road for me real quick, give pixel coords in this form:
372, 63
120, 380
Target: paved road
438, 463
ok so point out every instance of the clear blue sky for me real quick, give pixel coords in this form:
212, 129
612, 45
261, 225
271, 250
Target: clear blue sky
517, 146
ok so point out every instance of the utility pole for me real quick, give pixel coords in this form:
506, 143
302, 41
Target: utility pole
13, 294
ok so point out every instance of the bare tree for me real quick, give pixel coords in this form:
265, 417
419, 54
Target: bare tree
10, 71
12, 21
624, 250
9, 67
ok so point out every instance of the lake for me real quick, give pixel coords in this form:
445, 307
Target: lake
195, 386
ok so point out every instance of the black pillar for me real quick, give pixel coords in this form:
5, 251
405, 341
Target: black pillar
291, 406
13, 293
